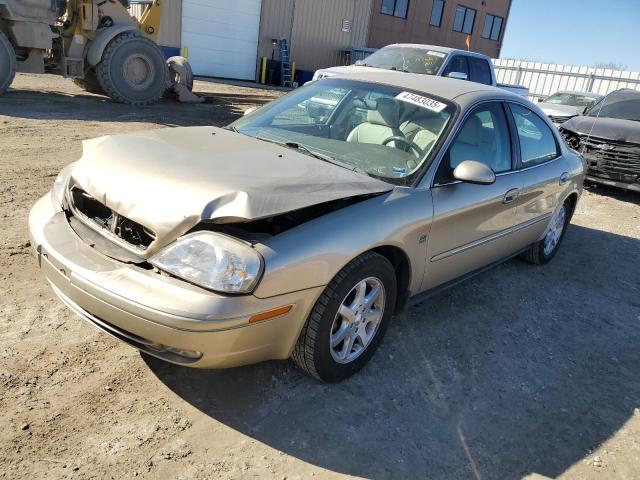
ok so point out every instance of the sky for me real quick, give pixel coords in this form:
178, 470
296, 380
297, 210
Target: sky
574, 32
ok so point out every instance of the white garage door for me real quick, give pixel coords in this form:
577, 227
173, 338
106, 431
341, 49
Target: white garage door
222, 37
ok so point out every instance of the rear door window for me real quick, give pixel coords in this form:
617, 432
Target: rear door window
480, 70
537, 142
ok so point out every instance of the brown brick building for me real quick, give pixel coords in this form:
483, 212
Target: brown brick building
440, 22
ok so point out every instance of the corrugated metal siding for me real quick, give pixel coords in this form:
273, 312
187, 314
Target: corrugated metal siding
314, 29
170, 22
275, 22
317, 39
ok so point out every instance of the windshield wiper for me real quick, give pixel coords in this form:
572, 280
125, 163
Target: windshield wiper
307, 150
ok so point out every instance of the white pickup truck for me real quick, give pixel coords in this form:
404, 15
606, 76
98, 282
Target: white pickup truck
428, 60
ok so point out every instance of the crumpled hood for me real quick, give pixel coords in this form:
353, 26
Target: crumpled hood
169, 180
609, 128
560, 110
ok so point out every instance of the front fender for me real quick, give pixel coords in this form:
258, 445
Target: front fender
311, 254
98, 44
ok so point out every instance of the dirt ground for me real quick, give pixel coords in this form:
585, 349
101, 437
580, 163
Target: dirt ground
520, 372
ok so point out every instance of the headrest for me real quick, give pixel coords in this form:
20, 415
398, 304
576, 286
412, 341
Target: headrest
472, 131
386, 112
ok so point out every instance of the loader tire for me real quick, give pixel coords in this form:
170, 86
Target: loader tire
90, 82
7, 63
132, 70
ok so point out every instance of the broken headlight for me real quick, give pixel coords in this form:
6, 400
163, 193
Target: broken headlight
213, 261
59, 188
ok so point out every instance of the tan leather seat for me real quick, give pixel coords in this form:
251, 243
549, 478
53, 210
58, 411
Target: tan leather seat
422, 131
382, 122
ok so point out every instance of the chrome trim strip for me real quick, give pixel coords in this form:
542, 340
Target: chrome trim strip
475, 243
531, 222
489, 238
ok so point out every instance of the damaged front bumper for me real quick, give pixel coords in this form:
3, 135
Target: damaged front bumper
160, 315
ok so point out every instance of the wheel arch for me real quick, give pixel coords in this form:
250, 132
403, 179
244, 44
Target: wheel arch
98, 44
572, 198
402, 267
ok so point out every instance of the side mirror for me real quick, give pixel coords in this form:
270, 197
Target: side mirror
471, 171
359, 62
458, 75
585, 110
249, 110
540, 99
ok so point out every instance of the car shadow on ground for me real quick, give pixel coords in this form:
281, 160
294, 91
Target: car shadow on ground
613, 192
55, 105
518, 370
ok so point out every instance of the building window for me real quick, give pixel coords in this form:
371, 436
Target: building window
463, 21
397, 8
492, 27
436, 13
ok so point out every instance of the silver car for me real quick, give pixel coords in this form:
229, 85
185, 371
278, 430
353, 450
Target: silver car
301, 229
566, 104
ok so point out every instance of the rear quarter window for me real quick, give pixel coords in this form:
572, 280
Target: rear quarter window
537, 141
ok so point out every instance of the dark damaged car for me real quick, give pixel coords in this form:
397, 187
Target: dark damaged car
608, 137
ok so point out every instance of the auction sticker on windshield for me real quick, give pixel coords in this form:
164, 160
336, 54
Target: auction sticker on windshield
424, 102
436, 54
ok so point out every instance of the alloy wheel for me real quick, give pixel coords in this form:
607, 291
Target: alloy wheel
554, 234
357, 320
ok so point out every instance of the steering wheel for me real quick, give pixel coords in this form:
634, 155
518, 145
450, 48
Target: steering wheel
416, 149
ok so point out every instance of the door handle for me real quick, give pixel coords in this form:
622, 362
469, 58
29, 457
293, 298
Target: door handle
511, 195
564, 178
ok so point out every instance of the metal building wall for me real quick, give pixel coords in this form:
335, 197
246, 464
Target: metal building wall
276, 21
314, 29
170, 22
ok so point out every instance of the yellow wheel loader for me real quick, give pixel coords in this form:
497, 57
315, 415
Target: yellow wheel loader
97, 43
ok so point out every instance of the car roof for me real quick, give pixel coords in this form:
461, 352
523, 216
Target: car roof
460, 91
437, 48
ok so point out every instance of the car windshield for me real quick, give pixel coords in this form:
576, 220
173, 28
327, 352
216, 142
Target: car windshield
405, 59
627, 109
383, 131
571, 99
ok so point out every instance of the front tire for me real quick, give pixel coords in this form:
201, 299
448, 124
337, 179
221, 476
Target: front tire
544, 250
7, 63
349, 319
90, 82
132, 70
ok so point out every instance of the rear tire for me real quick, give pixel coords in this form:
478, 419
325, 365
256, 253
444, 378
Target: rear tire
90, 82
7, 63
321, 350
544, 250
133, 70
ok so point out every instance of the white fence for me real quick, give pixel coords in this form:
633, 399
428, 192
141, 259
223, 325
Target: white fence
543, 79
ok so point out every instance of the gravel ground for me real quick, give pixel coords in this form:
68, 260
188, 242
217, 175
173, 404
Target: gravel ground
520, 372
